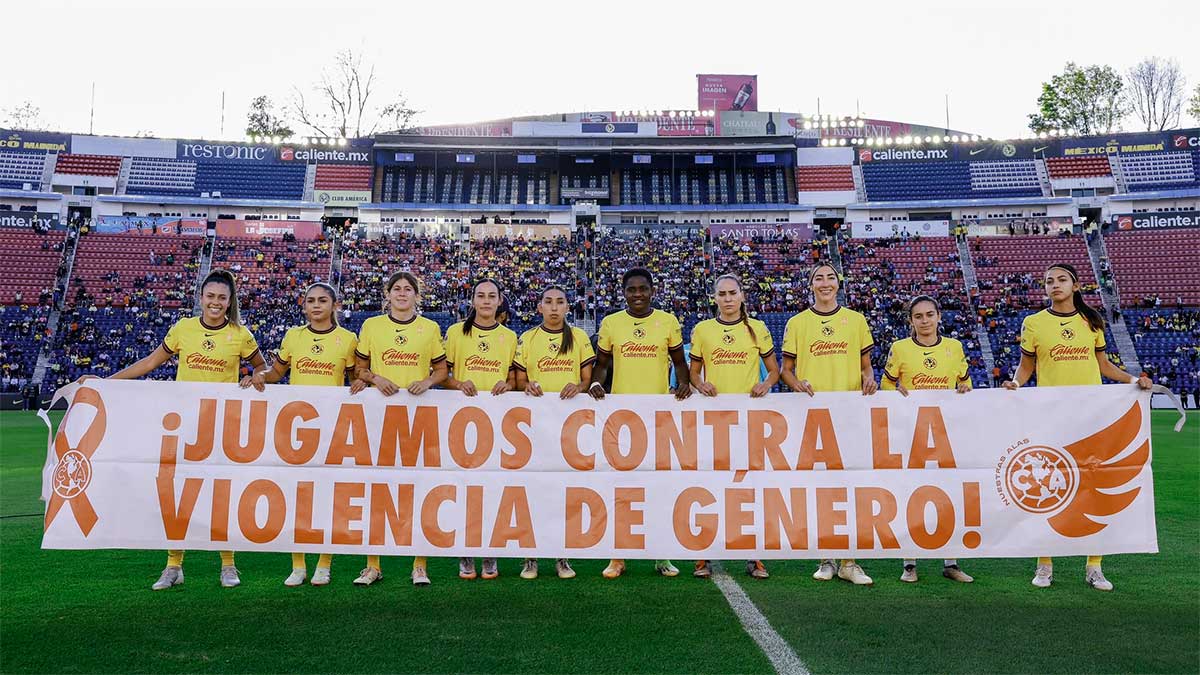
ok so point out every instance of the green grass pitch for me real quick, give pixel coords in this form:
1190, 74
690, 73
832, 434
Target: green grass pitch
93, 611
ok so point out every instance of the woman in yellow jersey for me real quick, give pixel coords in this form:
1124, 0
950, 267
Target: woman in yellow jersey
827, 347
554, 357
399, 349
480, 353
1052, 342
211, 348
727, 355
318, 353
640, 344
927, 360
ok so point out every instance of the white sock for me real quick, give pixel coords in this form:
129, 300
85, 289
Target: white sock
951, 561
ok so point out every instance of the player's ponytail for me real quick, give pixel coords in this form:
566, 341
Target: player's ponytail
470, 322
745, 316
220, 276
568, 337
1090, 314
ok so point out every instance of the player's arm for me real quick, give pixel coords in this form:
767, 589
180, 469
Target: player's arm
573, 388
265, 375
763, 387
683, 380
1024, 371
1112, 372
439, 372
698, 381
362, 369
599, 373
869, 386
142, 367
788, 374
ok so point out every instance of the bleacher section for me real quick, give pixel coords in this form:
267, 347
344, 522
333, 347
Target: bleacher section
31, 263
824, 178
88, 165
950, 180
367, 263
1163, 264
420, 185
124, 270
1015, 279
1168, 345
1078, 167
155, 176
251, 181
1160, 170
343, 177
1010, 178
24, 328
102, 341
19, 168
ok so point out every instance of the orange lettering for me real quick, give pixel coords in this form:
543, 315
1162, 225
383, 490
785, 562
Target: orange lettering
309, 439
737, 519
760, 445
345, 513
921, 498
720, 421
522, 446
205, 431
694, 540
349, 437
871, 522
395, 514
626, 516
930, 441
474, 515
611, 440
484, 437
792, 518
248, 506
819, 443
218, 528
434, 534
305, 532
667, 437
577, 499
569, 439
513, 522
881, 455
231, 431
422, 434
829, 518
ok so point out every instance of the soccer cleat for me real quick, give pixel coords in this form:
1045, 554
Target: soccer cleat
756, 569
171, 576
1095, 579
320, 576
563, 567
703, 570
910, 574
490, 569
466, 568
297, 578
419, 577
229, 577
665, 568
825, 571
854, 574
368, 576
615, 569
529, 569
954, 574
1044, 576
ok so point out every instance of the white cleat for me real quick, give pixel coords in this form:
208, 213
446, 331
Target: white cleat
297, 578
854, 574
666, 568
910, 574
953, 573
229, 577
825, 571
419, 577
562, 567
171, 576
368, 576
1095, 579
529, 569
320, 576
1044, 576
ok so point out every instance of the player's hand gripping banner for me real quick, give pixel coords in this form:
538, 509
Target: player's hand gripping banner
151, 465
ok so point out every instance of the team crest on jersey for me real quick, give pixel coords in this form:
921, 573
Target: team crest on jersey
208, 345
317, 348
400, 340
1068, 334
483, 347
930, 363
727, 338
553, 347
638, 333
827, 331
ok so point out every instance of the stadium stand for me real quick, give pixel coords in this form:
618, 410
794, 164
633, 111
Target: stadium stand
824, 178
20, 343
950, 180
242, 181
1078, 167
155, 176
32, 263
1156, 265
20, 168
343, 177
123, 270
88, 165
1160, 170
1168, 345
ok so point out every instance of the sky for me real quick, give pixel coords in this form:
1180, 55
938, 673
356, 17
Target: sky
161, 68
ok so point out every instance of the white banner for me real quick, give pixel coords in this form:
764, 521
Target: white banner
894, 228
151, 465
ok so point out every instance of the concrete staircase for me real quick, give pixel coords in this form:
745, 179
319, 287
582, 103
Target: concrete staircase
860, 186
835, 256
972, 282
1114, 163
1044, 178
206, 256
70, 246
1112, 303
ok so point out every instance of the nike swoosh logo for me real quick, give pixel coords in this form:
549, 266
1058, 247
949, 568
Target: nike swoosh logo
638, 323
209, 334
1063, 324
1041, 148
928, 353
976, 152
317, 339
826, 321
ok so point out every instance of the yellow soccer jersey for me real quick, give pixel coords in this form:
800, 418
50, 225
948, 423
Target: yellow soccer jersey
318, 358
1065, 347
208, 354
828, 348
941, 365
484, 357
401, 351
538, 354
732, 359
640, 349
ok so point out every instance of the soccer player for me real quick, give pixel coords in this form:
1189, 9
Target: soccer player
554, 357
480, 353
319, 353
927, 360
827, 347
640, 344
398, 347
211, 348
1068, 322
728, 353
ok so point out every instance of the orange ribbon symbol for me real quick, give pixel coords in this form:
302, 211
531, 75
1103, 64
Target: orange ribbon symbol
74, 470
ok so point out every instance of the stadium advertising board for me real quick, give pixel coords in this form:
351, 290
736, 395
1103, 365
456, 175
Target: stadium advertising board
896, 228
727, 92
769, 231
301, 229
743, 123
959, 152
152, 465
40, 141
482, 129
29, 219
584, 193
150, 225
1118, 144
676, 126
509, 231
218, 151
931, 153
342, 197
1185, 139
357, 152
1167, 220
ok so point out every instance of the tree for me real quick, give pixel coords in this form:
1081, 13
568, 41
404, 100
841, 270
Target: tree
261, 119
25, 116
1086, 100
1156, 89
345, 102
1194, 104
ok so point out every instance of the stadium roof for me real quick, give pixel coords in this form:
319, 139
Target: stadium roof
210, 201
959, 203
1158, 194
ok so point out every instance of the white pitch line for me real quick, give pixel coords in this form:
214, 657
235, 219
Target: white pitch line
778, 651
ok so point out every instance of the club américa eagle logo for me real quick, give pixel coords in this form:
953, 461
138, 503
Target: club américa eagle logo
553, 347
727, 338
930, 363
827, 331
484, 347
317, 349
400, 340
1079, 481
638, 333
208, 345
1068, 334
